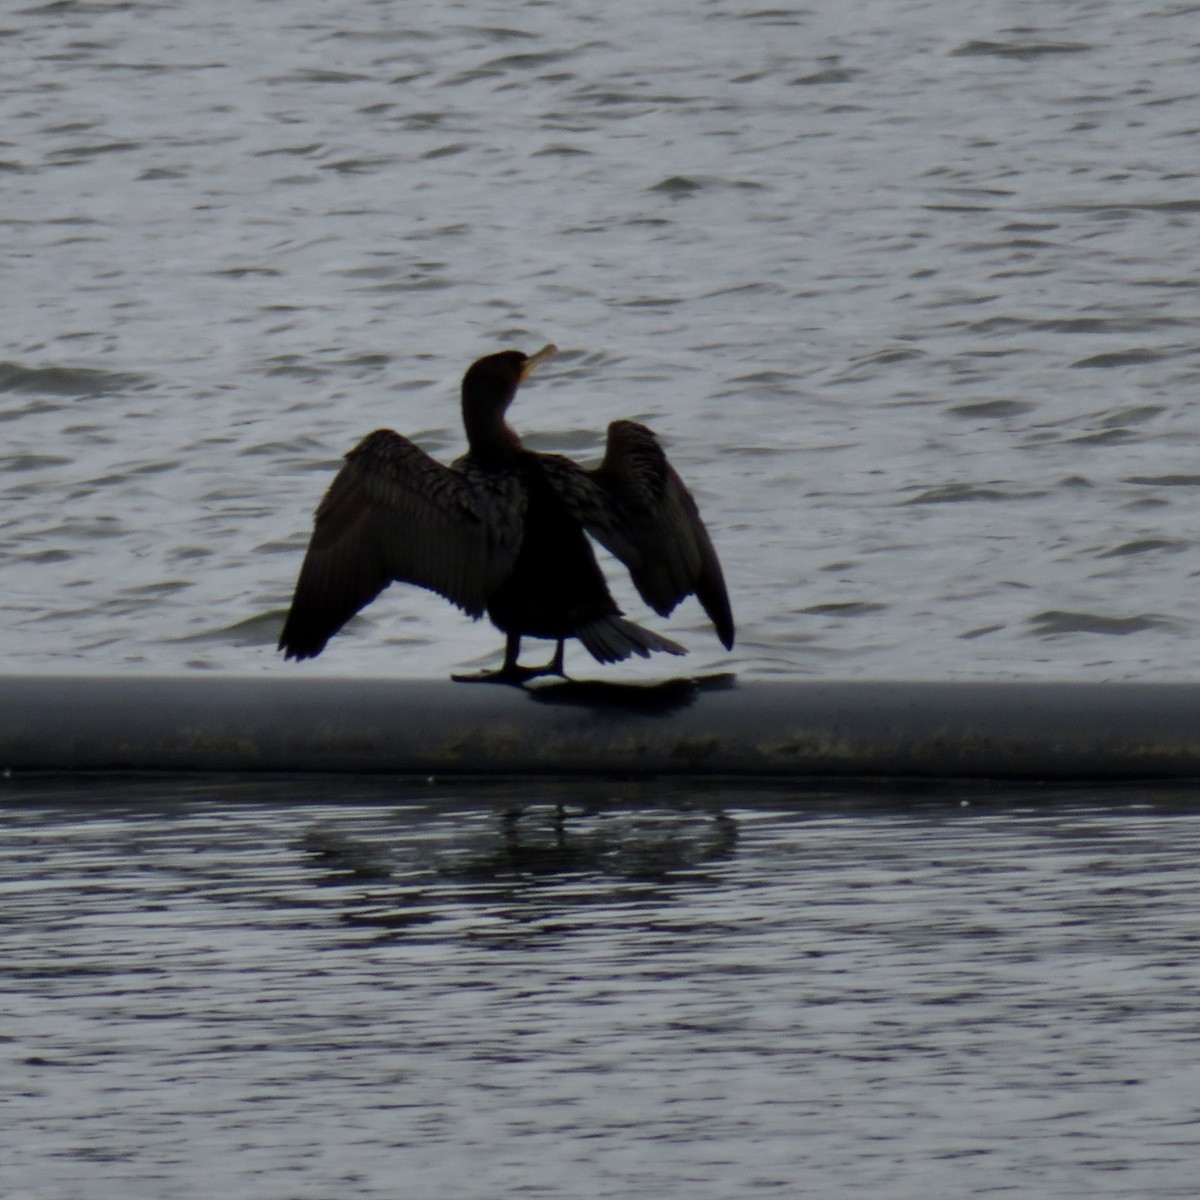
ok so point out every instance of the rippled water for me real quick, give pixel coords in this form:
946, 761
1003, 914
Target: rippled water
375, 989
909, 288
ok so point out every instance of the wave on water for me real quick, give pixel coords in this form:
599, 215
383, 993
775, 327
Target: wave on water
68, 381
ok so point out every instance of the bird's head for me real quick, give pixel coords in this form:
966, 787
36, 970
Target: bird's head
488, 388
495, 379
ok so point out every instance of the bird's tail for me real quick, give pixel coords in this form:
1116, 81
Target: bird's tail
611, 639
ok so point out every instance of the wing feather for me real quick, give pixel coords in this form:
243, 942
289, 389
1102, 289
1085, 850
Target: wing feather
393, 513
636, 506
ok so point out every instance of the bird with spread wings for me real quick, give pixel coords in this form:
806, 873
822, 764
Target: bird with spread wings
504, 531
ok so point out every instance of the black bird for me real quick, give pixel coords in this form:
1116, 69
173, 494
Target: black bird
503, 531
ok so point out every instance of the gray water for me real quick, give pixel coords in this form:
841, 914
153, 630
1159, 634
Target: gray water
378, 990
909, 288
910, 291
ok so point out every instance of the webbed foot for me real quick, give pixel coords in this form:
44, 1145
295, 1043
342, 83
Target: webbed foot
513, 674
516, 676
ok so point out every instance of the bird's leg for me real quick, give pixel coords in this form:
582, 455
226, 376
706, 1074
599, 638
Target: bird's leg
512, 651
508, 671
555, 665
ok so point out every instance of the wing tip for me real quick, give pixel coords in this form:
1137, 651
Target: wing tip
714, 599
295, 646
291, 653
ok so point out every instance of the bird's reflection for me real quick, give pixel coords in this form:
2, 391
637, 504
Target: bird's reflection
647, 846
519, 871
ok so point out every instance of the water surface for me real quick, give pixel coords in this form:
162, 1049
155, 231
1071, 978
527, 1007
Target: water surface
366, 988
909, 290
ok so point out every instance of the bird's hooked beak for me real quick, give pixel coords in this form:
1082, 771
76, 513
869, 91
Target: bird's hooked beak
534, 361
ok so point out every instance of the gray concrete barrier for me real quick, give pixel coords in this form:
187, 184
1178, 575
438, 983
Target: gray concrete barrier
711, 726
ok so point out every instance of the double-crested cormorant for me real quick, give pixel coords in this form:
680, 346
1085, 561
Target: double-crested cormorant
503, 531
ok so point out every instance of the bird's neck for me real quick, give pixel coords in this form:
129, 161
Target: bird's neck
488, 434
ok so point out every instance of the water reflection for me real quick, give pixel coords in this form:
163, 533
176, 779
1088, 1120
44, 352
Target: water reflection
344, 980
521, 870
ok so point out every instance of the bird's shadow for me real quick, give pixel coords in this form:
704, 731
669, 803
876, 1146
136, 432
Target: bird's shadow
657, 699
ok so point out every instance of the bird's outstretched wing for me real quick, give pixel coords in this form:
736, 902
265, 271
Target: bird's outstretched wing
636, 506
393, 513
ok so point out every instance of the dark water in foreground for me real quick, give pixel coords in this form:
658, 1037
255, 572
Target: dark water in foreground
367, 989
